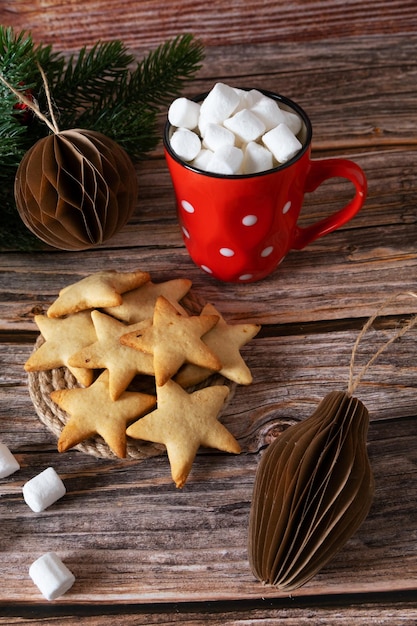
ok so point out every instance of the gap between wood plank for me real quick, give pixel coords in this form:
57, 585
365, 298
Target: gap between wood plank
267, 330
403, 598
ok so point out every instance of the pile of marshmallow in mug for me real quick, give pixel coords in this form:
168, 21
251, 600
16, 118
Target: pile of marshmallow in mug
233, 131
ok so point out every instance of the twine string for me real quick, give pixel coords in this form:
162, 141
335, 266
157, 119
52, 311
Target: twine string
49, 99
33, 106
354, 382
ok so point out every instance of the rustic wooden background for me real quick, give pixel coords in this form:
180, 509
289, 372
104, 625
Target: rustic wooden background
144, 23
143, 552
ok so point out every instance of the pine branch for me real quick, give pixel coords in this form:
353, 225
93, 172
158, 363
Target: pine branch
161, 76
19, 60
124, 105
97, 90
85, 80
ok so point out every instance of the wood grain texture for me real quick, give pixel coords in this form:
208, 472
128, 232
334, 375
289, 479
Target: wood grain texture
124, 525
147, 23
265, 612
142, 551
190, 545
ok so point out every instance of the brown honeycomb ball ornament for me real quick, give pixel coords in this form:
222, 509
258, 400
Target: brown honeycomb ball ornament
75, 189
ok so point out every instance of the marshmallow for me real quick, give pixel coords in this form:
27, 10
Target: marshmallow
43, 490
293, 121
256, 159
202, 159
245, 125
219, 104
242, 94
186, 144
230, 117
216, 136
8, 464
226, 160
51, 576
184, 113
282, 143
250, 98
268, 111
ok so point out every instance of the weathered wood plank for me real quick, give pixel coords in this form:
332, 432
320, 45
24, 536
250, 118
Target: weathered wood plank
147, 23
376, 260
294, 612
359, 69
309, 285
291, 375
134, 542
390, 199
130, 537
125, 526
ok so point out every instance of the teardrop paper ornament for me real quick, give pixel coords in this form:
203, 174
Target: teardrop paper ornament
314, 484
75, 189
313, 489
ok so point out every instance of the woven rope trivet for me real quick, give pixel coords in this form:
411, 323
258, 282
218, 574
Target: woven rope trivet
42, 383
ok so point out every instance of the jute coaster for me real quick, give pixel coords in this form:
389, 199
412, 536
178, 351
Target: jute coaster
42, 383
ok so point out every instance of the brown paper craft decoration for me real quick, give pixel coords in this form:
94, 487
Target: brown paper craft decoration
314, 486
74, 189
313, 490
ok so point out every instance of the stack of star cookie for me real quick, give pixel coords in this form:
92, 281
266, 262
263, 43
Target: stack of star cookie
112, 327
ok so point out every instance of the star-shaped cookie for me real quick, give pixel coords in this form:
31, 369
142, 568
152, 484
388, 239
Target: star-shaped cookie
122, 362
63, 337
99, 290
225, 340
174, 339
183, 422
139, 304
93, 412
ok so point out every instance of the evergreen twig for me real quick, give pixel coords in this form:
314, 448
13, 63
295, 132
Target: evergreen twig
99, 89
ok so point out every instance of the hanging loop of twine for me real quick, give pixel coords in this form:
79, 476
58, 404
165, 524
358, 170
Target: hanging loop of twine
354, 382
33, 106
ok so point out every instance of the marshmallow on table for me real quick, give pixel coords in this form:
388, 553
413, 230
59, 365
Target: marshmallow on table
51, 576
185, 144
43, 490
8, 463
282, 142
184, 113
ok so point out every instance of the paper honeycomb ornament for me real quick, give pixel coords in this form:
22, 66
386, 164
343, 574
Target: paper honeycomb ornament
75, 189
314, 485
313, 490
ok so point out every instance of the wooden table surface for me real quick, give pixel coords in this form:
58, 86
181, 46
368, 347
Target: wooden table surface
142, 551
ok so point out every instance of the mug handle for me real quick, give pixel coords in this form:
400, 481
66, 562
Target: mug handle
321, 170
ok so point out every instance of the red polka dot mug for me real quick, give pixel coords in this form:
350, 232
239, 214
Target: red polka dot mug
238, 228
